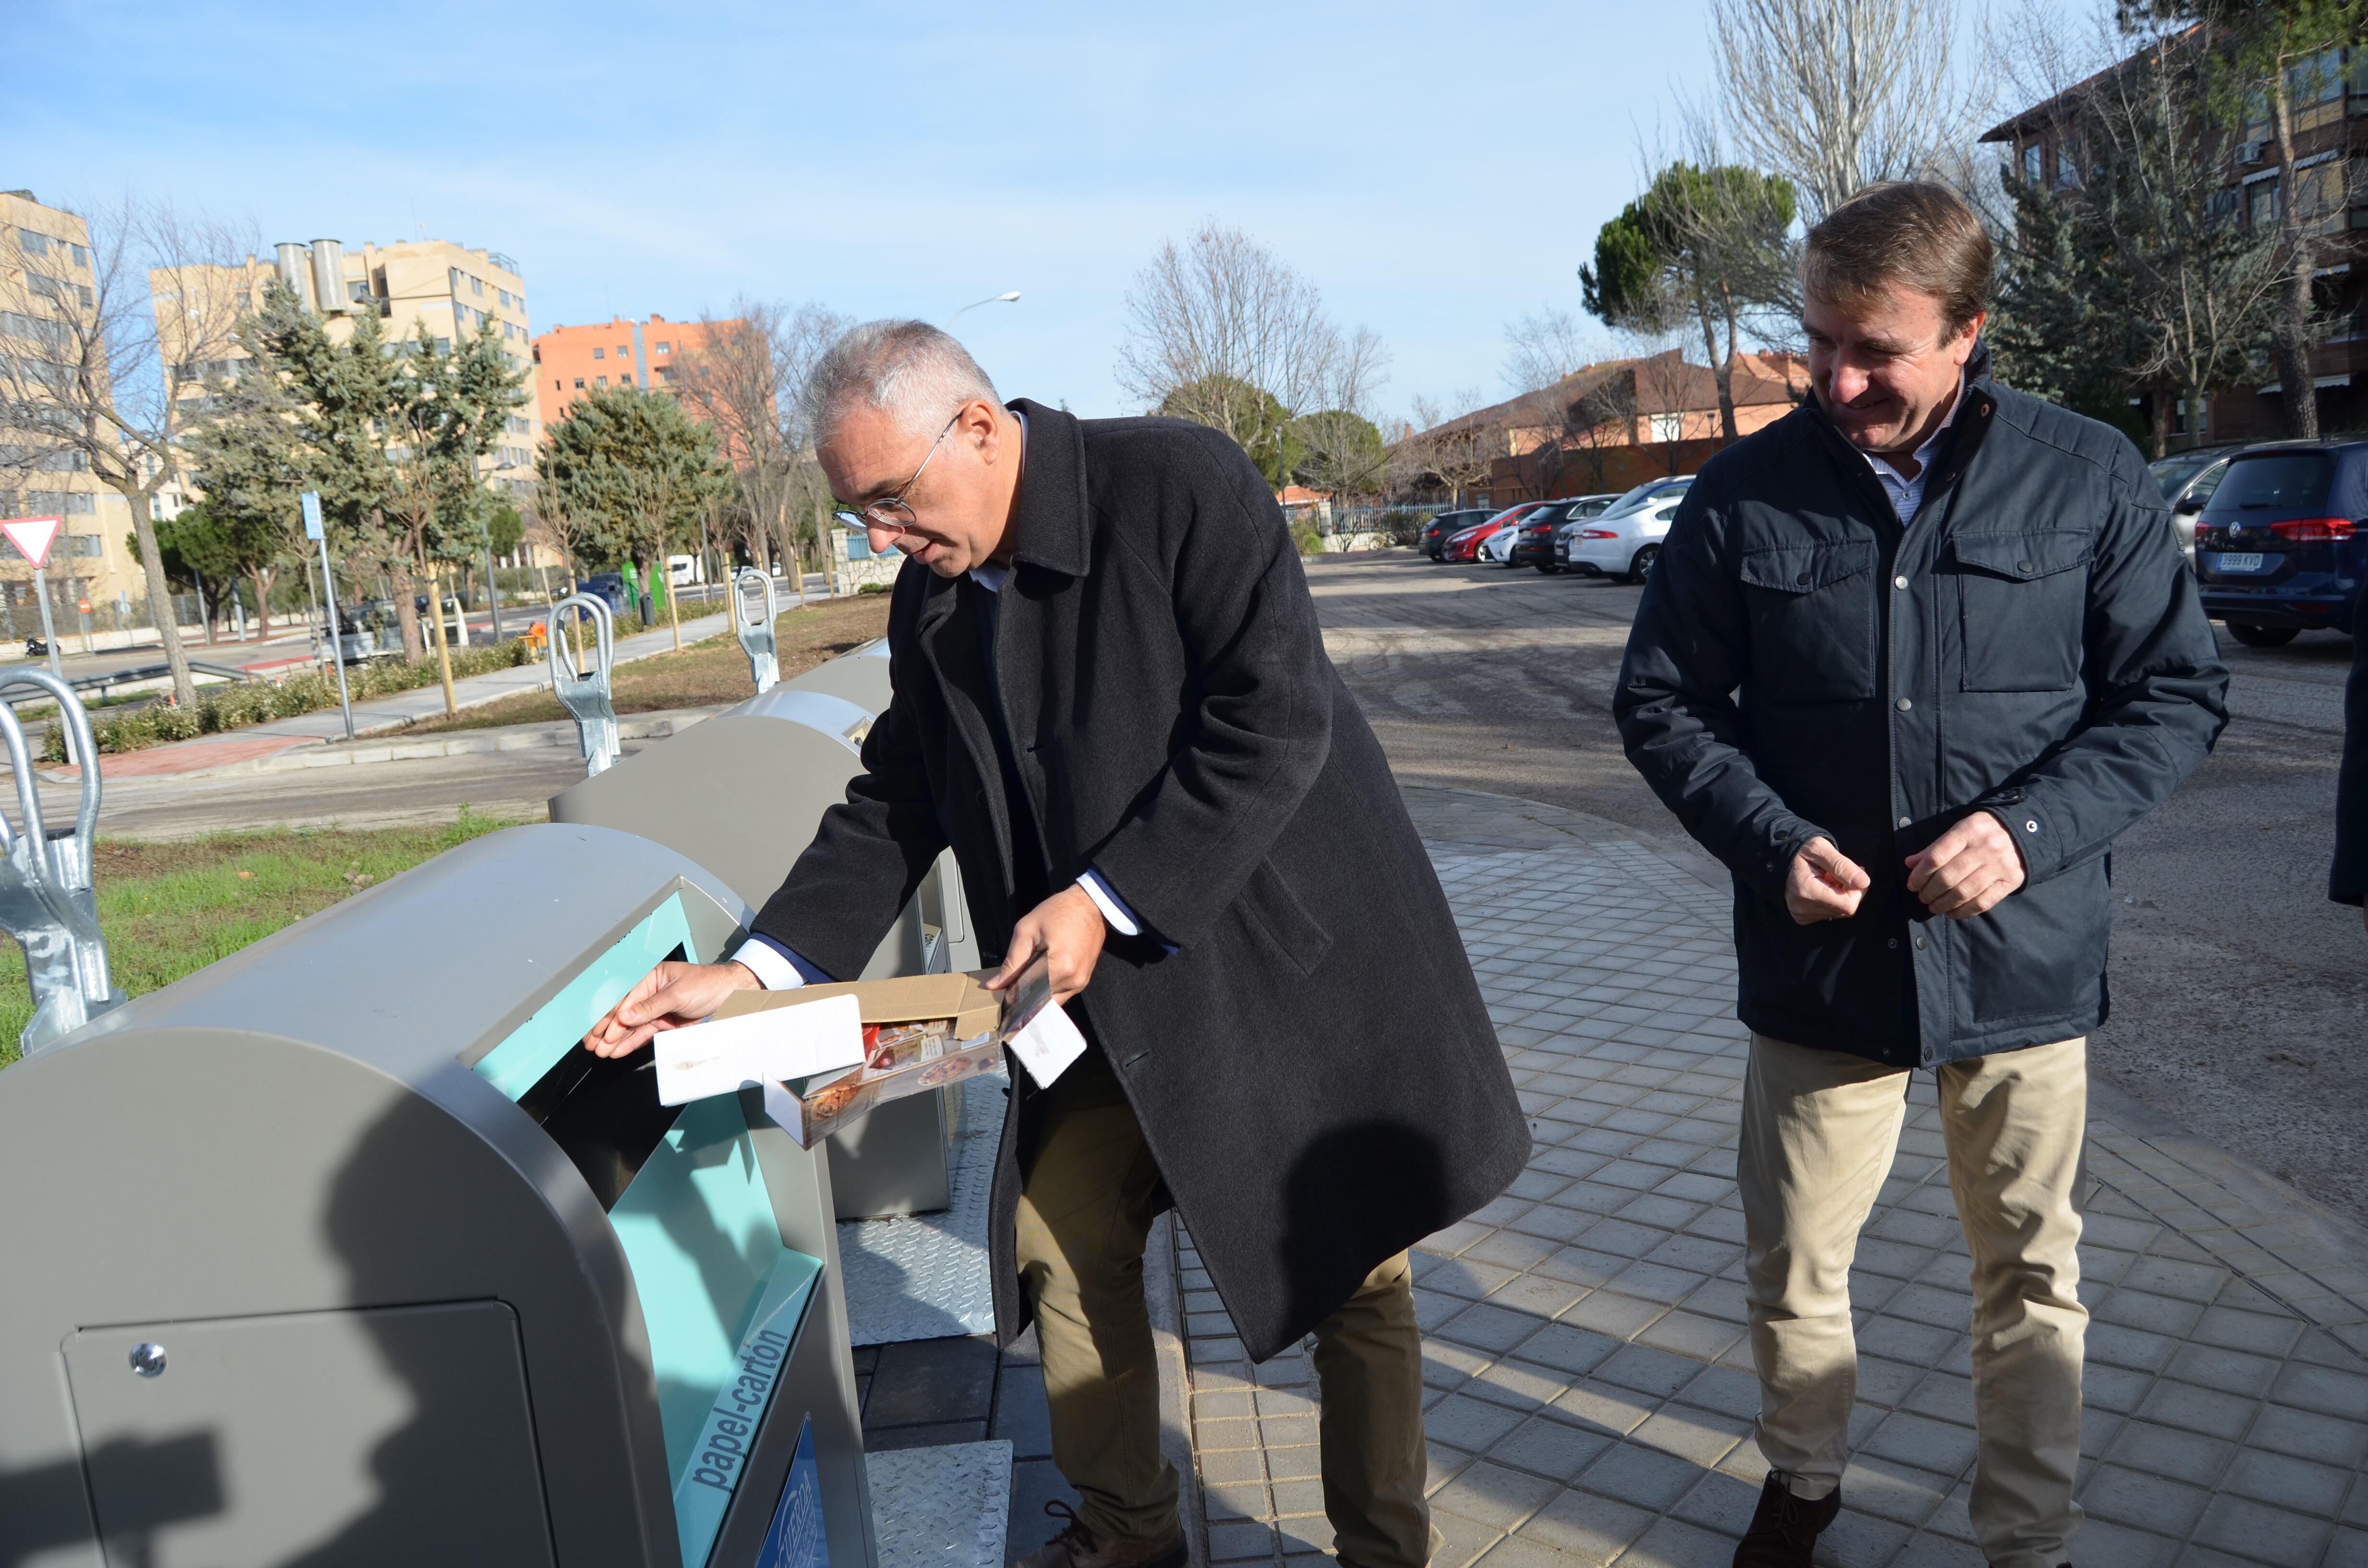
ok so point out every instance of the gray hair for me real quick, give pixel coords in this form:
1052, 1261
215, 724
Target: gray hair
915, 371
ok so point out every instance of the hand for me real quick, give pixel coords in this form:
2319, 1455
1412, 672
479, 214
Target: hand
1967, 869
1068, 928
1824, 884
667, 997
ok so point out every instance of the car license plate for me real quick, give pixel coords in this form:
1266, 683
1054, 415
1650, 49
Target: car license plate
2246, 562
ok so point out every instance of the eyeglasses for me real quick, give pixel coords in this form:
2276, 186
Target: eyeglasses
891, 512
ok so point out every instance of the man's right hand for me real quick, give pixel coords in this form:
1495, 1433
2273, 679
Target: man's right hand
667, 997
1824, 884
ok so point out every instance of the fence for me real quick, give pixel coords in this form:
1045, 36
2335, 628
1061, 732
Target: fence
112, 620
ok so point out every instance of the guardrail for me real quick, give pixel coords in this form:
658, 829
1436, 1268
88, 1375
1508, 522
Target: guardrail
106, 679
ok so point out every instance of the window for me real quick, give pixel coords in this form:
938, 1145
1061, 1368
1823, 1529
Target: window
2261, 202
2032, 157
626, 379
477, 287
666, 372
60, 503
62, 462
357, 289
2068, 163
599, 354
508, 331
82, 291
503, 295
455, 274
562, 386
46, 288
666, 347
1669, 428
624, 351
32, 244
579, 383
599, 381
52, 333
443, 345
85, 546
517, 426
81, 256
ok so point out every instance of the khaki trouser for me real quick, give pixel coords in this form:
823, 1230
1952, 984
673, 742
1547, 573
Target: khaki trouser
1084, 1217
1820, 1131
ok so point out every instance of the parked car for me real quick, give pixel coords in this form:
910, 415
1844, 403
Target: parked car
1492, 550
608, 586
2281, 546
2187, 480
1535, 540
1466, 546
1624, 539
1444, 525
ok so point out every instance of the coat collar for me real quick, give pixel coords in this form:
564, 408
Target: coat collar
1055, 526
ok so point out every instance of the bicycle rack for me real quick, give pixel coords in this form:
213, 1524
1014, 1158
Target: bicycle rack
753, 610
587, 695
46, 900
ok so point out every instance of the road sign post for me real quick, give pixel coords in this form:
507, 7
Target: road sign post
315, 531
32, 537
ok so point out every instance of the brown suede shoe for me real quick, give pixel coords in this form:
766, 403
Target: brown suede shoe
1784, 1530
1077, 1547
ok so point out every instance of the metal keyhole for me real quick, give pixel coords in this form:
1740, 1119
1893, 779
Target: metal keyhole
148, 1360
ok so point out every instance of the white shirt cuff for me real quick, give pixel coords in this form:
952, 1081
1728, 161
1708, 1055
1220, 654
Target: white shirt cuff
773, 972
1099, 891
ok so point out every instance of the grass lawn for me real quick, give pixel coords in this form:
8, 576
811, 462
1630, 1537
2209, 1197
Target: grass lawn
704, 675
171, 908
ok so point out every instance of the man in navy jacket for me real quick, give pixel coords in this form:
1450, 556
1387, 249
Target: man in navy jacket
1908, 661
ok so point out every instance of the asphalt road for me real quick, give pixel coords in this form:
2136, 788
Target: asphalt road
2241, 994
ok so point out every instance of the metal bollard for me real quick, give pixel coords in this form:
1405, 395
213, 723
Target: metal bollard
46, 900
587, 695
753, 610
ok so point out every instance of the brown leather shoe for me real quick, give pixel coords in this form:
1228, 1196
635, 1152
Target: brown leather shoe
1785, 1529
1077, 1547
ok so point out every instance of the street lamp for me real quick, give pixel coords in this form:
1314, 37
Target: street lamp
997, 300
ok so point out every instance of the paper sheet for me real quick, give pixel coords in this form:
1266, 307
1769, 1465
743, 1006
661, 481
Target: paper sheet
1036, 1031
718, 1056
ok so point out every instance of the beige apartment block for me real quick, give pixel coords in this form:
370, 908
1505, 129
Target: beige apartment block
45, 278
436, 286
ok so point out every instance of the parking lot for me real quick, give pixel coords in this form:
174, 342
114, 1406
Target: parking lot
2239, 994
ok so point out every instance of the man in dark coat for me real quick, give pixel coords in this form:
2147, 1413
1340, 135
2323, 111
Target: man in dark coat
1113, 700
2347, 881
1908, 661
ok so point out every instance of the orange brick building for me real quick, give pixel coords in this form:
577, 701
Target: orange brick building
571, 360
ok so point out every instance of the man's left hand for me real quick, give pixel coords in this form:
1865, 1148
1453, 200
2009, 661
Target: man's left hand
1068, 929
1967, 869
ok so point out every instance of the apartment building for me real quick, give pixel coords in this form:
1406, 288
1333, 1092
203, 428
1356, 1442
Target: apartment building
445, 289
2051, 143
45, 282
570, 361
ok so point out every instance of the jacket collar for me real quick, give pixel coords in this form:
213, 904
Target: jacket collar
1054, 524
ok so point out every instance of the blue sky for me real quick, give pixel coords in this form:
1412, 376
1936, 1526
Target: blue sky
1437, 170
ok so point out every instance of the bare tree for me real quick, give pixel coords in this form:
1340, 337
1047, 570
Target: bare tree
747, 376
1667, 388
1458, 452
1546, 346
113, 369
1222, 331
1838, 94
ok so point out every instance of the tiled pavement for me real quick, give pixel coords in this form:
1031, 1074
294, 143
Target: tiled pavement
1591, 1392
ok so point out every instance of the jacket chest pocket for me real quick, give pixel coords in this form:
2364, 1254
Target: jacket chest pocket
2022, 609
1812, 614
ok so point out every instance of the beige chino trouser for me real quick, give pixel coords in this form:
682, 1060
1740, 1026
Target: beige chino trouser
1820, 1132
1085, 1215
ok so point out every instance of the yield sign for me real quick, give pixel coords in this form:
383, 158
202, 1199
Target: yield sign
31, 536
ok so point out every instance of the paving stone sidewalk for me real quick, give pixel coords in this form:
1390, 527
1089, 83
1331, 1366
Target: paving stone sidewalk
1590, 1385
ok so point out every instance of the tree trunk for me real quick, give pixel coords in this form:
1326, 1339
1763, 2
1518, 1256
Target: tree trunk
160, 597
436, 629
2158, 410
1722, 370
406, 613
2290, 335
263, 604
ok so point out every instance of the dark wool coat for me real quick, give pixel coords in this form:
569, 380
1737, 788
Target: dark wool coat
2029, 644
2347, 881
1313, 1068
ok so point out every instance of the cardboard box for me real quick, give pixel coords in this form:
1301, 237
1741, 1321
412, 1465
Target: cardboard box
919, 1032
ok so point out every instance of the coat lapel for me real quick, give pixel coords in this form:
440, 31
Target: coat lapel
948, 640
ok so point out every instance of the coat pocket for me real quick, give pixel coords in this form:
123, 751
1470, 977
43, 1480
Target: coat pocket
1812, 615
2022, 608
1278, 916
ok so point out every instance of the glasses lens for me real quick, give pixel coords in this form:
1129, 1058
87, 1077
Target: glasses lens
847, 516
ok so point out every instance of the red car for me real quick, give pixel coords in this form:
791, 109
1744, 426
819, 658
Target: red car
1466, 546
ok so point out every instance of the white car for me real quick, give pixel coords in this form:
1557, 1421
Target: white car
1623, 541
